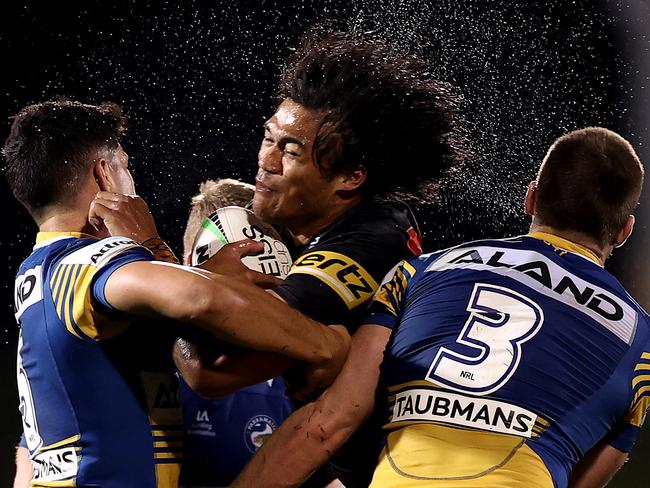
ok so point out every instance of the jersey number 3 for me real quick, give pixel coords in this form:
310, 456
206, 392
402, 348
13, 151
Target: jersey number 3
500, 321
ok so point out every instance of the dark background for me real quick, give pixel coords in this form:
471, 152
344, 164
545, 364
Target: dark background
198, 79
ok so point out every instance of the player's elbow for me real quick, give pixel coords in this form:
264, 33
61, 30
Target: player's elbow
205, 384
203, 380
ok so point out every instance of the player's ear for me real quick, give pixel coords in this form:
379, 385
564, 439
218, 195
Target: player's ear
102, 174
625, 232
353, 180
529, 199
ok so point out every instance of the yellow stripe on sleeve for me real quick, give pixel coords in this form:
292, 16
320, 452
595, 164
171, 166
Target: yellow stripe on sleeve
79, 313
390, 292
641, 392
167, 433
383, 297
167, 475
640, 379
68, 300
169, 444
408, 268
62, 292
638, 412
55, 282
642, 367
167, 455
83, 311
543, 421
60, 443
48, 484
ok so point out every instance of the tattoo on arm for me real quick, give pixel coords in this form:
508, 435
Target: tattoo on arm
161, 250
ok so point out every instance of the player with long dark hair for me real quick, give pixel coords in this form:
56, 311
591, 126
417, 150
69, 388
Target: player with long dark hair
516, 363
358, 125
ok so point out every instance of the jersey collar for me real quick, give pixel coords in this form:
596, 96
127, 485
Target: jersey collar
43, 238
566, 245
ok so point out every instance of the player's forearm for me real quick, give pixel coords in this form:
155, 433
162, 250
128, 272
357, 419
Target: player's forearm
24, 469
230, 309
304, 441
313, 433
598, 467
245, 315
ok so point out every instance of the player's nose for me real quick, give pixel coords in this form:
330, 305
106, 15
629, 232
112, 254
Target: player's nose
270, 159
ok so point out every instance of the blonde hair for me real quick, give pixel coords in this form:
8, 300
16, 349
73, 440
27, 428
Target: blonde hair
212, 196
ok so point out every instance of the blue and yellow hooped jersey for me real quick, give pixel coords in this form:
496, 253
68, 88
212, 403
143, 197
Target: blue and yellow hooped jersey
97, 394
509, 359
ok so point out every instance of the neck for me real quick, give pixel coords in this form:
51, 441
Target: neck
67, 221
303, 232
578, 238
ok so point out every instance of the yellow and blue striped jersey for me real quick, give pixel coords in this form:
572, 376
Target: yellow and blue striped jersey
97, 393
509, 359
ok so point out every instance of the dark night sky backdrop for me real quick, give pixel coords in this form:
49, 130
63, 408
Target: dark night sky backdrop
198, 79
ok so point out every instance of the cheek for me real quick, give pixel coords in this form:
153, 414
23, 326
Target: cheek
126, 183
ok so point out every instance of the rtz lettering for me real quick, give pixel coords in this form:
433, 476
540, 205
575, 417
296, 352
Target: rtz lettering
602, 304
350, 274
107, 247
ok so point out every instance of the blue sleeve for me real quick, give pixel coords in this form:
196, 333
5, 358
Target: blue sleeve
623, 437
104, 273
624, 434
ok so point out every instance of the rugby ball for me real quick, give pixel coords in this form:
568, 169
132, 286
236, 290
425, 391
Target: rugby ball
231, 224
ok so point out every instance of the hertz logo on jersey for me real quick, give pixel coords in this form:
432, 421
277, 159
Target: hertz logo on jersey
342, 274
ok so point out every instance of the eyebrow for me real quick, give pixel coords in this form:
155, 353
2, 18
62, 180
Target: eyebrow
287, 139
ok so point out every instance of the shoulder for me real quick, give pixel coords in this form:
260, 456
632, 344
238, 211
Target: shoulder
367, 242
370, 222
368, 233
99, 253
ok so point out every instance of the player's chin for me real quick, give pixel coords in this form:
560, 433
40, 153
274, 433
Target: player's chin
265, 206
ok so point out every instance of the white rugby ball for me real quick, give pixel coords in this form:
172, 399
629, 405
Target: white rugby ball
231, 224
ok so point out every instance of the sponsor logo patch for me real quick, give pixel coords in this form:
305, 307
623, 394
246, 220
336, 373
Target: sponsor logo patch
202, 425
546, 277
342, 274
55, 464
102, 252
162, 397
257, 430
452, 408
28, 290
